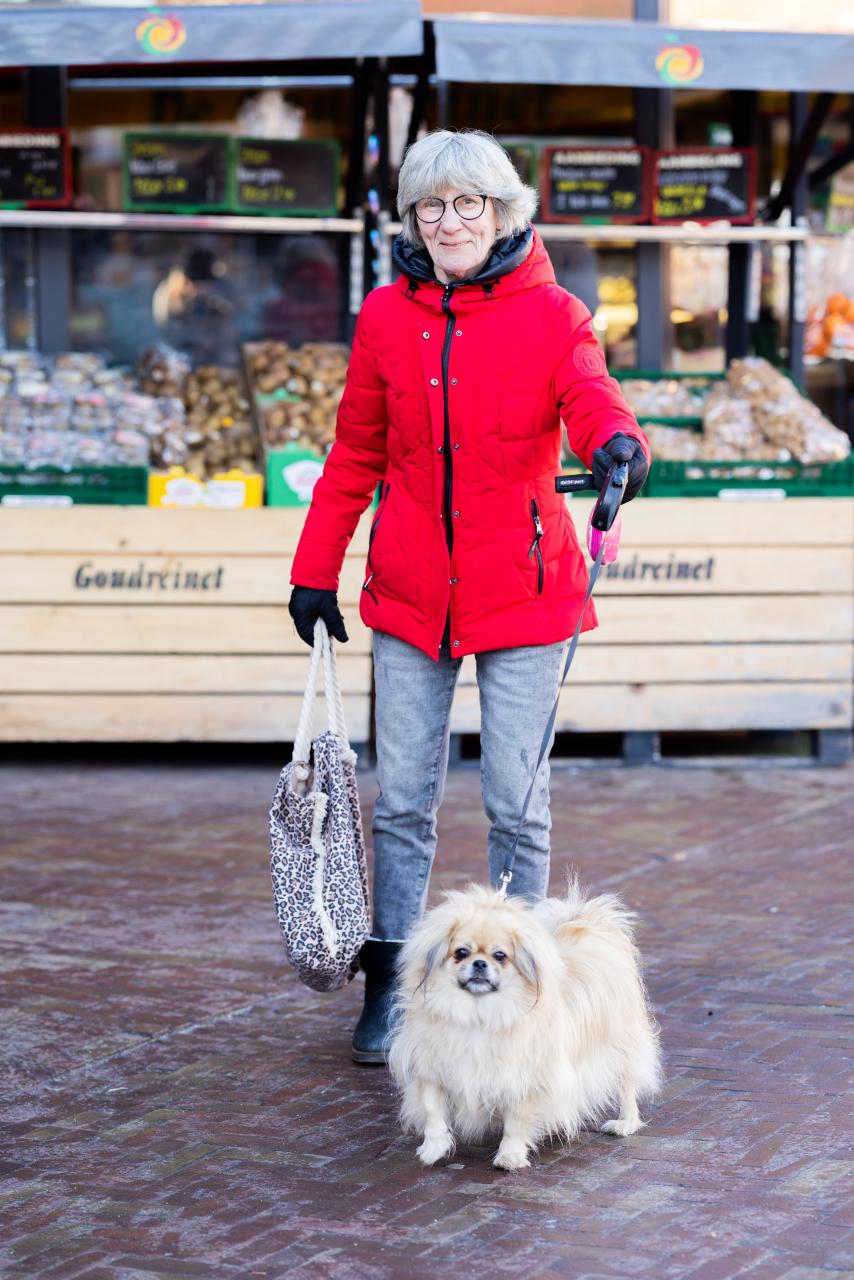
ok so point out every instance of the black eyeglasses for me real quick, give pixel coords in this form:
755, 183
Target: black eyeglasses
431, 208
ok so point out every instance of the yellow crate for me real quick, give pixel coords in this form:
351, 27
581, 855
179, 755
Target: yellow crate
227, 489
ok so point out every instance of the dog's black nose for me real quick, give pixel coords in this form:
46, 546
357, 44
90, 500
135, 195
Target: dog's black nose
479, 966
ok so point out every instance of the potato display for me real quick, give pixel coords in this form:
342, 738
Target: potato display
297, 391
757, 413
220, 434
666, 397
208, 425
782, 416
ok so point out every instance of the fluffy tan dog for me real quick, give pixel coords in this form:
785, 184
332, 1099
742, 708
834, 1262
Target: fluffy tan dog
524, 1021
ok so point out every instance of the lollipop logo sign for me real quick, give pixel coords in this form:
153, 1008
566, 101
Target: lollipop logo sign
161, 34
679, 64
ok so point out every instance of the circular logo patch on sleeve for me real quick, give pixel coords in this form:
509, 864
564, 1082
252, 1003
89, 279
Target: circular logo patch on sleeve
589, 360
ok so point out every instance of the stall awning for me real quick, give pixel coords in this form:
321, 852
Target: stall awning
639, 55
94, 34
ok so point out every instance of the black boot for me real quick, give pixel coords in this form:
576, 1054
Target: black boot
378, 960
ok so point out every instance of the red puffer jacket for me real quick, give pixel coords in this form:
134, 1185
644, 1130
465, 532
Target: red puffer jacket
454, 400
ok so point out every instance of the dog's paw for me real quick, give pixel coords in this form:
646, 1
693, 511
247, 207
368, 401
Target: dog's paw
622, 1128
433, 1149
512, 1157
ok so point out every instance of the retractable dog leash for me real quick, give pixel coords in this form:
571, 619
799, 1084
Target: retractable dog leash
603, 538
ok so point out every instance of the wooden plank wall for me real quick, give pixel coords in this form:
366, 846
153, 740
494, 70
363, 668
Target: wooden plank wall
139, 624
717, 615
145, 624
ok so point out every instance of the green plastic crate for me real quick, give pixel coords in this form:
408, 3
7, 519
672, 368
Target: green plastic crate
291, 475
290, 489
98, 486
711, 479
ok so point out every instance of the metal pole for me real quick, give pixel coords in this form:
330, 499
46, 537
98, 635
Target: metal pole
443, 103
653, 128
419, 98
798, 107
801, 146
743, 118
46, 106
357, 186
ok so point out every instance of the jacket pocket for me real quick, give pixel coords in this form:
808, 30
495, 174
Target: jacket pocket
366, 585
536, 550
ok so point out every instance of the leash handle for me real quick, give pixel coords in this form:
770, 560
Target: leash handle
610, 495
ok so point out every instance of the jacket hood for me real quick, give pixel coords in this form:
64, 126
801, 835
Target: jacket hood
516, 262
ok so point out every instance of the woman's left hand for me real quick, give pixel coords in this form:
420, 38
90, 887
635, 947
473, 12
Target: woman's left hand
621, 448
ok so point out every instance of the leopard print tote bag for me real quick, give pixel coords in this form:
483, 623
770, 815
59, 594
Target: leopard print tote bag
317, 847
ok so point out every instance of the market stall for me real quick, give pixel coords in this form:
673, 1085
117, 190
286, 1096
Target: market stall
182, 250
185, 248
715, 242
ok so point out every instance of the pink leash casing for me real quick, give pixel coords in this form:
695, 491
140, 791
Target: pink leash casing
611, 538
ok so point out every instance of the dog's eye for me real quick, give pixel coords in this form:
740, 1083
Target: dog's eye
500, 956
461, 953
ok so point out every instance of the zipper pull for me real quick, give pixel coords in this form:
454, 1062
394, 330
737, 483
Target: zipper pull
538, 528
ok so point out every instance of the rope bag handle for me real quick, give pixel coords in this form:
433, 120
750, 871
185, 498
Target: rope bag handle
322, 653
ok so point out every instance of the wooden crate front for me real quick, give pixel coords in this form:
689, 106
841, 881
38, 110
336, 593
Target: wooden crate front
717, 615
139, 624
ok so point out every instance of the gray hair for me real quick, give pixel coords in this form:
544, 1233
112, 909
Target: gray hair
471, 161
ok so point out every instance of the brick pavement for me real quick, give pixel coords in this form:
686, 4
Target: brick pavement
177, 1106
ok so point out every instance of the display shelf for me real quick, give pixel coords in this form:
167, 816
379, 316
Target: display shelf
625, 234
180, 222
685, 233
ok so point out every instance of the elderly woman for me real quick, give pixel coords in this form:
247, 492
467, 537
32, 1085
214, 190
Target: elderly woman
461, 374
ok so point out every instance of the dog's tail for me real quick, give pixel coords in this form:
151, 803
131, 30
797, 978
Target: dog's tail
576, 907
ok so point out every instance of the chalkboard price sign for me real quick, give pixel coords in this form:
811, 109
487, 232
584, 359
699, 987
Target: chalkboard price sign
704, 184
595, 184
34, 168
176, 172
285, 177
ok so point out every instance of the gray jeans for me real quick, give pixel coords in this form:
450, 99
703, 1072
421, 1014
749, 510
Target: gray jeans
413, 705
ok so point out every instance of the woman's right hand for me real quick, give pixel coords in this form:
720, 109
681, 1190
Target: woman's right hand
307, 604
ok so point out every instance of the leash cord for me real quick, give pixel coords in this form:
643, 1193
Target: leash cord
507, 873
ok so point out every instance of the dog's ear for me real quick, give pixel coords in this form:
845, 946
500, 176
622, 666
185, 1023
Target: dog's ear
433, 959
527, 966
428, 944
430, 962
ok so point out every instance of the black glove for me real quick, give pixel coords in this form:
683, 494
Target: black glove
621, 448
307, 604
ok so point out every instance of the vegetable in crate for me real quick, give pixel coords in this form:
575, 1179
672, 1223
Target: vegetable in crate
207, 427
297, 391
666, 397
757, 414
784, 417
162, 371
